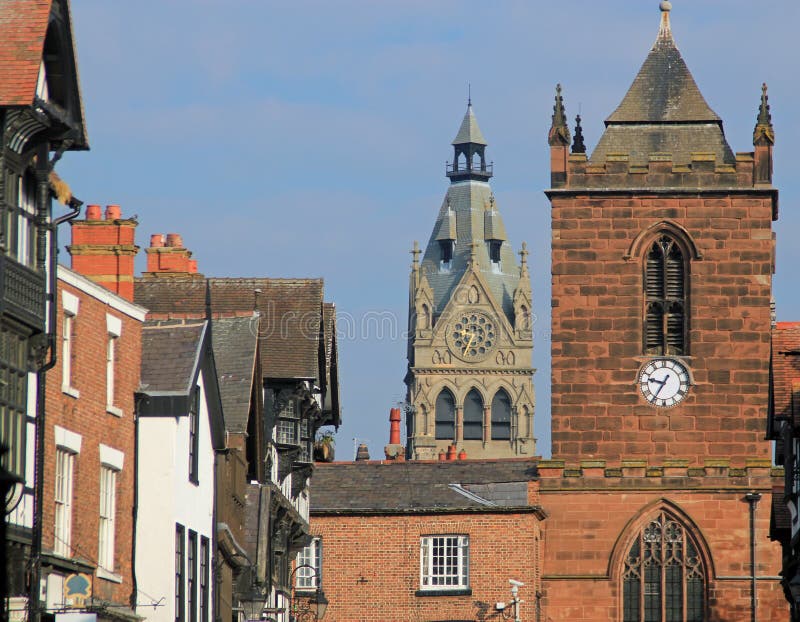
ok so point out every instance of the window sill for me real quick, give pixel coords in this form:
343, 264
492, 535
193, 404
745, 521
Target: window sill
71, 391
102, 573
462, 591
113, 410
305, 592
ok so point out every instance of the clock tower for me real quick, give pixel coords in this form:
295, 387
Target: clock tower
470, 324
662, 262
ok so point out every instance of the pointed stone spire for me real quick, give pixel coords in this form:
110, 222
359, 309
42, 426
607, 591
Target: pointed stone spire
578, 146
764, 132
469, 132
559, 132
665, 31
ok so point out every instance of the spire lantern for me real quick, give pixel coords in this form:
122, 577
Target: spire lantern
469, 151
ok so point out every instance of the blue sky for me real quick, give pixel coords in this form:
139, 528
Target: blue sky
309, 138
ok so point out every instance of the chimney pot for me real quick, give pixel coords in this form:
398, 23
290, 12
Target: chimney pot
113, 212
394, 426
451, 453
93, 212
156, 240
462, 455
363, 453
174, 240
442, 455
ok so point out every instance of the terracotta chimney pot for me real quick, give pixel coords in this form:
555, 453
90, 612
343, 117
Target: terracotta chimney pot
113, 212
442, 455
156, 240
394, 426
93, 212
451, 453
174, 240
462, 455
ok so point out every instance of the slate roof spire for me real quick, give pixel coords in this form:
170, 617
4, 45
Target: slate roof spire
663, 111
469, 145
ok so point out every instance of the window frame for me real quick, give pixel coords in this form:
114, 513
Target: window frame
473, 424
194, 435
684, 553
657, 308
287, 424
107, 524
191, 575
497, 423
180, 573
440, 421
204, 576
433, 580
307, 580
14, 399
63, 485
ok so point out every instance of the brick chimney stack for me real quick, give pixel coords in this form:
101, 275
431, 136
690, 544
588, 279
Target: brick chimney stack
167, 256
394, 450
104, 249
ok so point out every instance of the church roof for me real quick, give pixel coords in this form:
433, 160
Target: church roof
469, 132
663, 111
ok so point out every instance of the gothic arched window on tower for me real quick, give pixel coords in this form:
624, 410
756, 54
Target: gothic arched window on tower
665, 318
473, 416
445, 416
663, 577
501, 416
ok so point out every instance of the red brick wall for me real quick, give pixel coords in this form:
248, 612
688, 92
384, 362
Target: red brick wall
587, 531
87, 416
597, 300
371, 565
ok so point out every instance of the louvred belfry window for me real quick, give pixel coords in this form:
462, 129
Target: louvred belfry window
663, 576
665, 319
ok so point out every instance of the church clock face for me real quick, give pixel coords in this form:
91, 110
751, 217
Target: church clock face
664, 382
472, 336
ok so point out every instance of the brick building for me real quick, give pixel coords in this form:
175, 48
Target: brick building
662, 258
88, 477
422, 540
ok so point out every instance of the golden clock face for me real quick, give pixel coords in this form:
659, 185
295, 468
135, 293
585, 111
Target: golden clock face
472, 336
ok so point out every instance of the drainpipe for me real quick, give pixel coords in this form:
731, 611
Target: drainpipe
753, 498
43, 198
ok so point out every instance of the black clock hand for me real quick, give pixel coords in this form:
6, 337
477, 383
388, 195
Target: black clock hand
663, 383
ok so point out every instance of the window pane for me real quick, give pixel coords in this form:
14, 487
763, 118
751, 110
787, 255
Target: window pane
445, 416
501, 416
444, 562
473, 416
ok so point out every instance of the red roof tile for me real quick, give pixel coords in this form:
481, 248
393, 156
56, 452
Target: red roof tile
23, 25
785, 367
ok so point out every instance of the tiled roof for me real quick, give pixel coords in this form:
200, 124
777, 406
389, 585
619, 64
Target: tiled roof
170, 353
291, 314
23, 25
663, 112
785, 367
469, 132
234, 341
420, 486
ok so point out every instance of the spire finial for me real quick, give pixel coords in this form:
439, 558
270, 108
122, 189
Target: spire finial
523, 254
469, 94
665, 31
559, 132
764, 131
415, 252
578, 145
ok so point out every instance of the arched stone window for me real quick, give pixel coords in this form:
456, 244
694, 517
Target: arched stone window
665, 284
473, 416
663, 576
501, 416
445, 416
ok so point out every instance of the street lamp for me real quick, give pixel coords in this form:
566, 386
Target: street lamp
317, 606
515, 602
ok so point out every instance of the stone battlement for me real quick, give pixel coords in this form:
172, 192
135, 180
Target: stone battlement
661, 171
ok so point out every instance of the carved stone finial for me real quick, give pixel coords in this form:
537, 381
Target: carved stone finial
523, 260
764, 132
665, 6
559, 132
578, 146
415, 252
665, 31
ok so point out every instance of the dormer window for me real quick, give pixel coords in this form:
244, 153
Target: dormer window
287, 430
446, 254
494, 251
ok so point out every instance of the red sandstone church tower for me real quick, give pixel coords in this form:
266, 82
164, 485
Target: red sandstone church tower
663, 256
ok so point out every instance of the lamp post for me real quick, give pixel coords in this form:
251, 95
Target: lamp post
515, 602
317, 607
